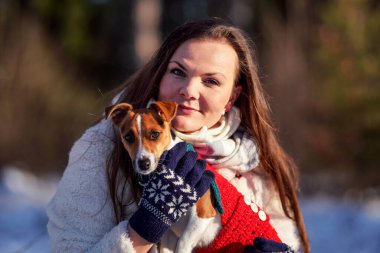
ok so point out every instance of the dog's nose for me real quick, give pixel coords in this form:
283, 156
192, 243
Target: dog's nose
144, 164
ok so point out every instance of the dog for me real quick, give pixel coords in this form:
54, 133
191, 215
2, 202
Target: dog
146, 134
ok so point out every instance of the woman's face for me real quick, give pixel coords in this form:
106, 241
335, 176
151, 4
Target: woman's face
200, 77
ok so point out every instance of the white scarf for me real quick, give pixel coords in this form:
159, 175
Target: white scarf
225, 146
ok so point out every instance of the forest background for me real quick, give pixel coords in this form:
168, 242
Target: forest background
319, 62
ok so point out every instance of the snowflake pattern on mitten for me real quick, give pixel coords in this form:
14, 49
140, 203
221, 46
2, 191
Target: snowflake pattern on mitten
169, 208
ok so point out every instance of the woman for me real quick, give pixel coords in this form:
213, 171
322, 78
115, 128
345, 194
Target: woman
207, 67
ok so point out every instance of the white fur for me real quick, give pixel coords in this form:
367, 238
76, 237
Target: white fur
138, 119
194, 231
81, 215
142, 153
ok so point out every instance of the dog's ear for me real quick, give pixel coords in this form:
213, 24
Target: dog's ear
118, 112
166, 109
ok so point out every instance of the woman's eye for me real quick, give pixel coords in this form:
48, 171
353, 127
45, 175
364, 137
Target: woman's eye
177, 72
211, 82
129, 137
154, 135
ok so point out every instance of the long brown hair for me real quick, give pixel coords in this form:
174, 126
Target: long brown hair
255, 113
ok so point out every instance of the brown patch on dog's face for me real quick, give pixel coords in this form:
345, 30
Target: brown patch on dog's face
155, 134
129, 136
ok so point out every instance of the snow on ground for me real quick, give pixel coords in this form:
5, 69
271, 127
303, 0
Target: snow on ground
23, 198
342, 226
333, 226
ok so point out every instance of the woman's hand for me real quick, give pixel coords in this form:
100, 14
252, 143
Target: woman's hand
178, 183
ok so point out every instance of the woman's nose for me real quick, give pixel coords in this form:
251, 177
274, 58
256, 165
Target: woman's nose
190, 90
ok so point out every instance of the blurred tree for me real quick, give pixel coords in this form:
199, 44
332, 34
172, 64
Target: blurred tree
95, 35
147, 29
44, 105
285, 68
346, 64
319, 62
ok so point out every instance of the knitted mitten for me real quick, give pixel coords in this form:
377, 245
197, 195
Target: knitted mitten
262, 245
177, 184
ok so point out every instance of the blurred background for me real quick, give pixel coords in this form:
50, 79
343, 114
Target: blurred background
319, 62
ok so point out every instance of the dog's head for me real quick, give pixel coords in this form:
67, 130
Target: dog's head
145, 133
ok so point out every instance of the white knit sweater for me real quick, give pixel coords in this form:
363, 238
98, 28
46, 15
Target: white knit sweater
81, 215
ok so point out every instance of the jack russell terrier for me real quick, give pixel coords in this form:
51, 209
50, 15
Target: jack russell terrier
146, 135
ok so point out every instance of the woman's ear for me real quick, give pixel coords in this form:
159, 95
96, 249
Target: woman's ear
235, 94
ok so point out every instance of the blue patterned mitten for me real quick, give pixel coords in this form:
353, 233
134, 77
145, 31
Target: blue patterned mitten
262, 245
176, 185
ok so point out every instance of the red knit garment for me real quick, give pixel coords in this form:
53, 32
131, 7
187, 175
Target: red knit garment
240, 225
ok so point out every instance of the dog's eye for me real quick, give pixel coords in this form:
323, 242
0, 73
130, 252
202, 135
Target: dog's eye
154, 135
129, 137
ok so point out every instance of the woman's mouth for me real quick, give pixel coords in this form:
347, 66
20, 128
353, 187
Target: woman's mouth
186, 110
